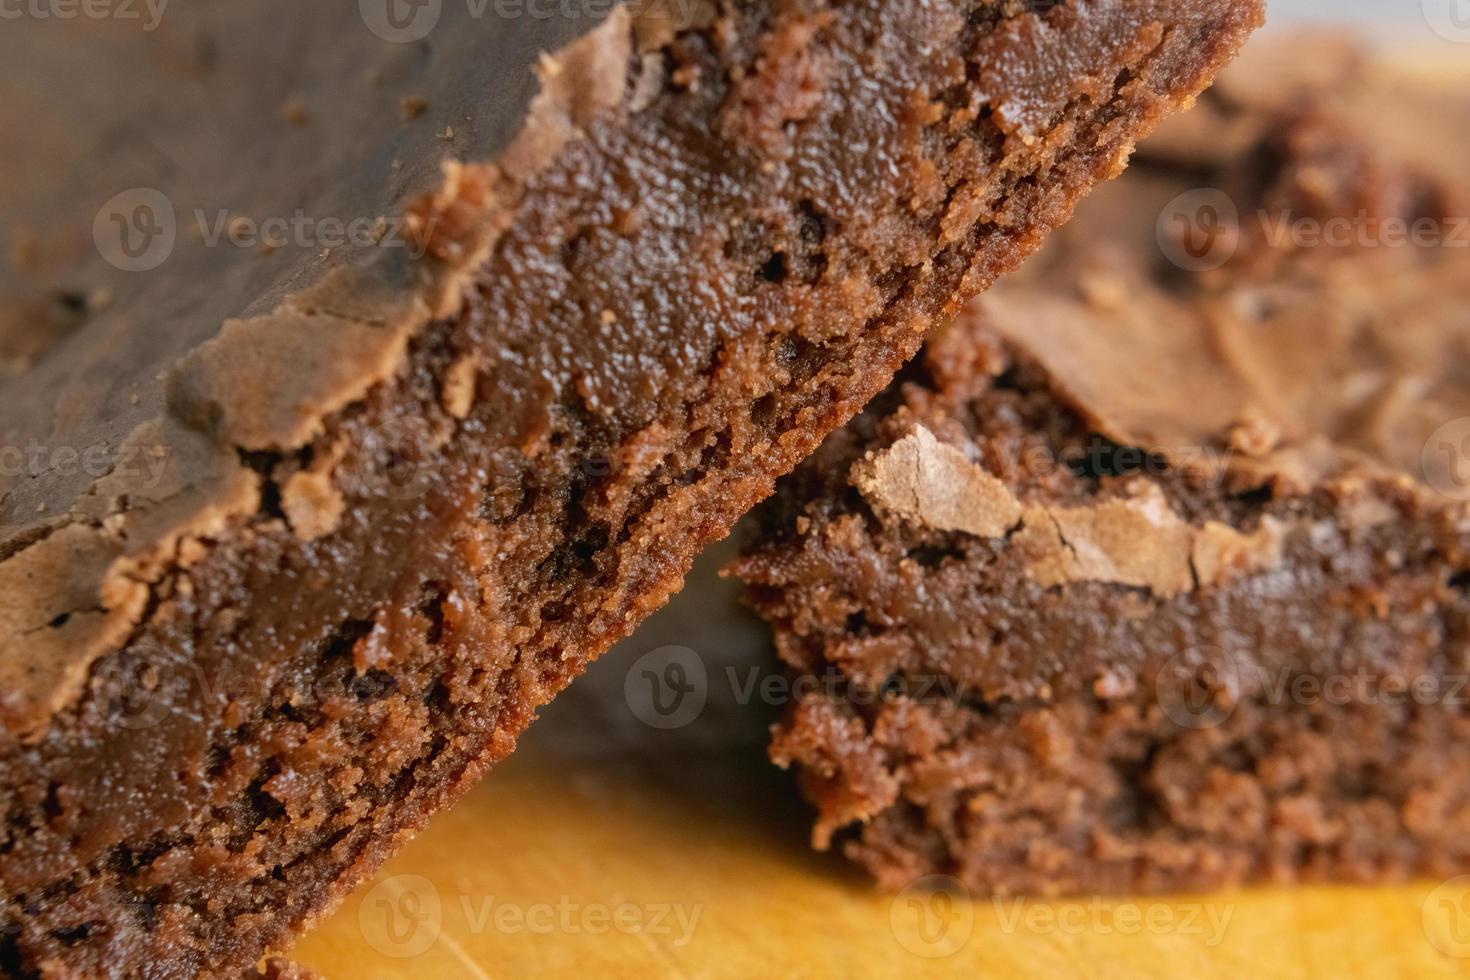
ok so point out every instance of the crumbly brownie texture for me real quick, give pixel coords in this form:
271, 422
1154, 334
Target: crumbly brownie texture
1115, 588
402, 501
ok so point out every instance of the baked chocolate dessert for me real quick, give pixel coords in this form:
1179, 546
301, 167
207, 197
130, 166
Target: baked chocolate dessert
1154, 571
335, 459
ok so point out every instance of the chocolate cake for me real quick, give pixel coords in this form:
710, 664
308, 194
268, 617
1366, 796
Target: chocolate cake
1153, 573
336, 457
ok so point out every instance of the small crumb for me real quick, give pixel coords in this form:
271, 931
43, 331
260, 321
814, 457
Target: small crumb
293, 111
448, 133
41, 508
609, 318
927, 113
627, 221
25, 249
412, 106
686, 77
1316, 181
458, 394
1255, 434
1112, 683
313, 506
99, 299
803, 524
1104, 291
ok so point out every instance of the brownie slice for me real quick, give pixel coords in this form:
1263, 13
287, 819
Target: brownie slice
1153, 577
306, 528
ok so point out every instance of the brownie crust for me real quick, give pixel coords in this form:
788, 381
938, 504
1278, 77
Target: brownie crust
226, 703
1139, 580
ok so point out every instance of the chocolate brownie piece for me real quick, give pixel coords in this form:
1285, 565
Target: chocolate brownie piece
1147, 577
306, 527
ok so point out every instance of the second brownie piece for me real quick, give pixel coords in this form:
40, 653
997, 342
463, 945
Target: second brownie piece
1152, 573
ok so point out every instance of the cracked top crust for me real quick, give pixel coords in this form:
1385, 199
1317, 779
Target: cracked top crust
1136, 540
127, 398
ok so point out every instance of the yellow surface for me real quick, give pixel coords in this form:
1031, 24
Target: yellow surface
513, 883
607, 848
